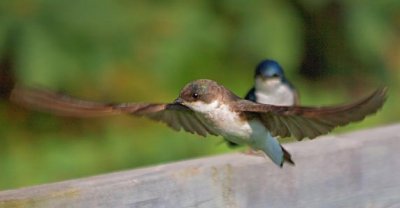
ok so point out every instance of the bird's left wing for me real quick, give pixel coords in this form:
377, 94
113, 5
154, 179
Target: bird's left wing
251, 95
174, 115
310, 122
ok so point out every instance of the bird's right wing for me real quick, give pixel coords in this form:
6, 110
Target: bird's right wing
174, 115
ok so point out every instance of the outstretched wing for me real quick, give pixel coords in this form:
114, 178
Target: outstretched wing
175, 116
301, 122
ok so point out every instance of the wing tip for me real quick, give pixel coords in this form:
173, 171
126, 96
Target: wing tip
379, 98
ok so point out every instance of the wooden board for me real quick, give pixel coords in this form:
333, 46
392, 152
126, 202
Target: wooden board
360, 169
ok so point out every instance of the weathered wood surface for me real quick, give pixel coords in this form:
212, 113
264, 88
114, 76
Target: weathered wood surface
360, 169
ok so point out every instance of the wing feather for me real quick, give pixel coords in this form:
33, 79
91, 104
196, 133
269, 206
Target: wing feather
175, 116
301, 122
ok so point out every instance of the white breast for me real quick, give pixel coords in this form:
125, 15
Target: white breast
253, 132
227, 123
274, 92
233, 128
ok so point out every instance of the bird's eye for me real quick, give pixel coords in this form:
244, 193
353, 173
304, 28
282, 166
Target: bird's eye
275, 75
195, 95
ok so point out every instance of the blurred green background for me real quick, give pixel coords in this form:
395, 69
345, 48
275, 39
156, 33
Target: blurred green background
120, 51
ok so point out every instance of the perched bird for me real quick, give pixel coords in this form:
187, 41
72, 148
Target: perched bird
271, 87
204, 107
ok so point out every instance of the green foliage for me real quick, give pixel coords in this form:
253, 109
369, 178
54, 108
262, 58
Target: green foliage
110, 50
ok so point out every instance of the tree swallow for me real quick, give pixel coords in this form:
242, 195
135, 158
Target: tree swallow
204, 107
271, 86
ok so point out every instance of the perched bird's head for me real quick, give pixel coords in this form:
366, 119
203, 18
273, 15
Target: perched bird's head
269, 75
203, 95
269, 69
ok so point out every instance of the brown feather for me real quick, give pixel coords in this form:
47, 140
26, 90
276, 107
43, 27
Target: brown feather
287, 157
284, 121
175, 116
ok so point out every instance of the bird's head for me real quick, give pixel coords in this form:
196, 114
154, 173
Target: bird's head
269, 69
268, 74
201, 95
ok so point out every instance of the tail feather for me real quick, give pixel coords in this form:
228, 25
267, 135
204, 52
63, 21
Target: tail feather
271, 147
286, 157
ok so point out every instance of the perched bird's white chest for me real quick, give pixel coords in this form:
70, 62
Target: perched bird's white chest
274, 92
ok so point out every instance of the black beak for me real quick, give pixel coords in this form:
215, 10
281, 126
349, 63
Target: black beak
177, 105
178, 101
263, 78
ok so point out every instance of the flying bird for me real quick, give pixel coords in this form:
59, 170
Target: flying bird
204, 107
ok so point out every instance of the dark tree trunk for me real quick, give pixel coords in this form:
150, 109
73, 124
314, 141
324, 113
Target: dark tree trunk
7, 75
325, 43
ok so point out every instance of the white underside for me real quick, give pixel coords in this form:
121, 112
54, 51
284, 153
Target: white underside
229, 125
274, 92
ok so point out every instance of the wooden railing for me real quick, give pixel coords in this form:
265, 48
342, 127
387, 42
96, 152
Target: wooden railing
359, 169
